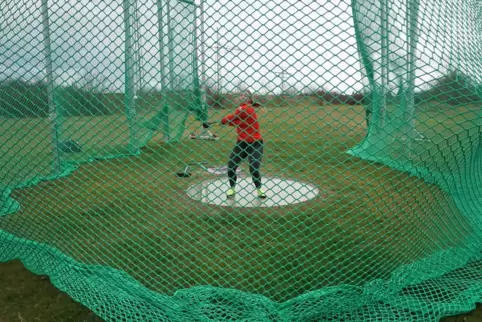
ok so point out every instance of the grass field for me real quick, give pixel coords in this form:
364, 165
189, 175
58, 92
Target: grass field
132, 213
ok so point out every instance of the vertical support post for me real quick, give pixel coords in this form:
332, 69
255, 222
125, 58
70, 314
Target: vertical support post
368, 65
170, 45
203, 65
283, 74
137, 50
412, 34
452, 44
218, 57
129, 87
384, 61
164, 102
195, 45
479, 18
53, 113
198, 94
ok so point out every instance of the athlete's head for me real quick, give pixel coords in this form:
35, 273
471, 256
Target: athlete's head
246, 97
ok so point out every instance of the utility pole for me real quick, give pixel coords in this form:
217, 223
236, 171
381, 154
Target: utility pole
218, 48
283, 74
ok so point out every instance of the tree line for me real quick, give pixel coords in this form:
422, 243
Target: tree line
26, 99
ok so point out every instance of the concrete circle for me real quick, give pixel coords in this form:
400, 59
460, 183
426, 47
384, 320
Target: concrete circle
279, 192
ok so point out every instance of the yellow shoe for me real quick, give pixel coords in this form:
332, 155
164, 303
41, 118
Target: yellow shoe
230, 193
261, 193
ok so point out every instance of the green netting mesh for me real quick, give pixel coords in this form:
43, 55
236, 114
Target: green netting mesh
114, 173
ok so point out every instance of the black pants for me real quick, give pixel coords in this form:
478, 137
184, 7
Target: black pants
243, 150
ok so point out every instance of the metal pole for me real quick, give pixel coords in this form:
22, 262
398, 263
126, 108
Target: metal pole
202, 113
283, 74
129, 76
170, 45
479, 19
160, 26
218, 48
203, 65
137, 49
452, 36
195, 46
53, 115
164, 105
412, 33
384, 60
218, 67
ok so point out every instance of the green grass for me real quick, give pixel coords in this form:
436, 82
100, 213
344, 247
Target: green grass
133, 214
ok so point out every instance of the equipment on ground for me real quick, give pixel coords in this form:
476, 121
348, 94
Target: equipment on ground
186, 173
205, 134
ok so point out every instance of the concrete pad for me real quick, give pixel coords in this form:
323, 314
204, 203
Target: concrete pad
280, 192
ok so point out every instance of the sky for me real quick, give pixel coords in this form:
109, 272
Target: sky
267, 45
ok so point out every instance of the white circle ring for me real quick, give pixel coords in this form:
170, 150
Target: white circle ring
279, 192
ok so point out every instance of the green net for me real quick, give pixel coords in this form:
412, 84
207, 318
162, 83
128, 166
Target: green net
115, 174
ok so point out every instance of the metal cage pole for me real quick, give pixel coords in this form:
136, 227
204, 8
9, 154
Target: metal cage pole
53, 113
412, 34
198, 93
129, 63
139, 86
202, 55
170, 45
385, 13
218, 58
164, 104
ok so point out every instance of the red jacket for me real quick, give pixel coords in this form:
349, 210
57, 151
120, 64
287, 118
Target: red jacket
246, 122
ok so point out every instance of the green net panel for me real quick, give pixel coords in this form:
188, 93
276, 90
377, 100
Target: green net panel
115, 168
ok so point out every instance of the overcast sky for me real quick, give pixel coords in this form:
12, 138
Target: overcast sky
312, 42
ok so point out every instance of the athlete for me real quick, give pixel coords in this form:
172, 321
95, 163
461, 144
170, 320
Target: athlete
249, 143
